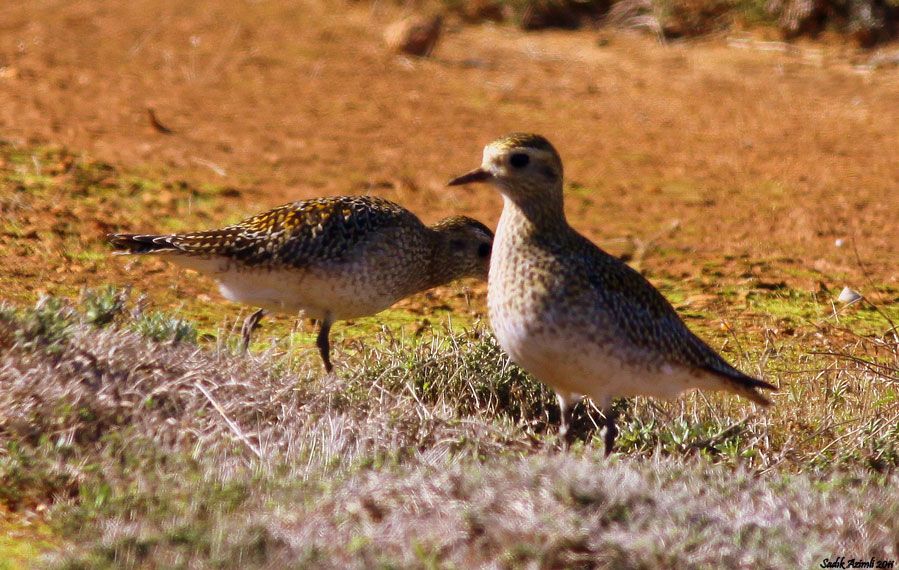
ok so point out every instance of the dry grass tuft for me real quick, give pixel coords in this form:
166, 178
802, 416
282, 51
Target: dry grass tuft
184, 397
420, 453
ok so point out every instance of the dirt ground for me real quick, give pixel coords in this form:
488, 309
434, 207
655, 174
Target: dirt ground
737, 165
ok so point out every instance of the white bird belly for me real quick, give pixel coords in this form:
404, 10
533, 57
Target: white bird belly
573, 363
342, 293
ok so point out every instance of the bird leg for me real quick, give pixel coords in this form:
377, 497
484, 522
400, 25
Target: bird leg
323, 343
249, 325
565, 409
611, 428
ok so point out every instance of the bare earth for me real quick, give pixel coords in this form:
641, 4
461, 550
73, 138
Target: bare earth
768, 156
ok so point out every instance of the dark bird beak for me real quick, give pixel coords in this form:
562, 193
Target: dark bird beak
476, 175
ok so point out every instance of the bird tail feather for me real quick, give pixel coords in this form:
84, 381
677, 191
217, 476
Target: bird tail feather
141, 243
745, 385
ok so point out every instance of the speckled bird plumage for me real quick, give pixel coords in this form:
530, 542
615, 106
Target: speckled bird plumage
574, 316
294, 235
332, 258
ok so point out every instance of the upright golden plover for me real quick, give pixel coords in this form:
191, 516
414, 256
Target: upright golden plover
332, 258
574, 316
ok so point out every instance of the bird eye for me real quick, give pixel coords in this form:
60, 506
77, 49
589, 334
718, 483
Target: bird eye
519, 160
484, 250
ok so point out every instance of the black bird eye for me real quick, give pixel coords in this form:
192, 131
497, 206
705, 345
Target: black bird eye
519, 160
484, 250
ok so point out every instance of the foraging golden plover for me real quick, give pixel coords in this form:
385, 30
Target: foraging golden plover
574, 316
332, 258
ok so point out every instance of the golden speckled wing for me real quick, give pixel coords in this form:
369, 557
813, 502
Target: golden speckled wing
293, 235
642, 315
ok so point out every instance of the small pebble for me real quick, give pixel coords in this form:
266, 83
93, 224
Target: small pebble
849, 296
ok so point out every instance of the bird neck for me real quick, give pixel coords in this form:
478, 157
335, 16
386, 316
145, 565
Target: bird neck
529, 215
442, 264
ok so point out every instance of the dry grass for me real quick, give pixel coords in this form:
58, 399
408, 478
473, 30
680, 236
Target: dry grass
645, 145
428, 452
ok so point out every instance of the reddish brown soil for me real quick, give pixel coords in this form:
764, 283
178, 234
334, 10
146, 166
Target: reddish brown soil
763, 159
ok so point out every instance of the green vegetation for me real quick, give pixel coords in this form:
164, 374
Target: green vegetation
159, 327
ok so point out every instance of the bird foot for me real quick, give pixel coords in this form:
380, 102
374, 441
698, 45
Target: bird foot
249, 325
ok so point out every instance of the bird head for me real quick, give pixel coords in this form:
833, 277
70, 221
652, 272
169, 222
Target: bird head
465, 246
524, 168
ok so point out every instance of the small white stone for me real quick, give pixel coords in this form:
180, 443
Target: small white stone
839, 242
849, 296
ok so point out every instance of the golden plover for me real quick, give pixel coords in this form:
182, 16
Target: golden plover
332, 258
574, 316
